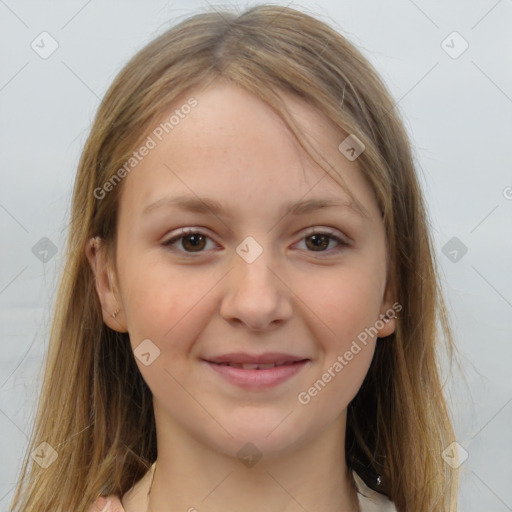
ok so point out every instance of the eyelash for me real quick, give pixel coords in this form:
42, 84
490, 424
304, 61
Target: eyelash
188, 231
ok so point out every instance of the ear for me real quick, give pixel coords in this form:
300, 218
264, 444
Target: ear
106, 286
388, 312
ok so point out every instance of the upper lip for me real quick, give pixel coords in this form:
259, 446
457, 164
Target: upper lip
268, 357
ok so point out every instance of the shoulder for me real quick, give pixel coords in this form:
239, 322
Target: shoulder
370, 500
134, 499
110, 503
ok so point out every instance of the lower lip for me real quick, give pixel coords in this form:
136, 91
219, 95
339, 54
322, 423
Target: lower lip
258, 379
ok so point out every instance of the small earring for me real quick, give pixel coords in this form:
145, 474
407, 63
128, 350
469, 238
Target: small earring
114, 314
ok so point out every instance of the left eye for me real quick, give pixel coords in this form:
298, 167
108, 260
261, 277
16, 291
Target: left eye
196, 241
320, 241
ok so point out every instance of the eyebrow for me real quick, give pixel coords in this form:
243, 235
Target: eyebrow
207, 205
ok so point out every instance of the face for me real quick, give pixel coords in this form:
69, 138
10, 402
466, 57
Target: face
237, 270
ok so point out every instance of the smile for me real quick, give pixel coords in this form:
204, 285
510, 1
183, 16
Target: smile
257, 375
254, 366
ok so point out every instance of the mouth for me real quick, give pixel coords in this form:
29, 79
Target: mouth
251, 375
256, 366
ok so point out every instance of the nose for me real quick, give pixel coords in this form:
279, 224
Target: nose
256, 295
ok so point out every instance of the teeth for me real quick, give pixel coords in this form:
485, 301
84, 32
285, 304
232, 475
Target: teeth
254, 366
249, 366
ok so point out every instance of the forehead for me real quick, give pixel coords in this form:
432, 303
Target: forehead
233, 147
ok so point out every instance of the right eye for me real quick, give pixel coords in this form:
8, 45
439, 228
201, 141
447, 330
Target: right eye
192, 241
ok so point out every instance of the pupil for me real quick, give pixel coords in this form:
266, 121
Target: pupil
318, 239
194, 239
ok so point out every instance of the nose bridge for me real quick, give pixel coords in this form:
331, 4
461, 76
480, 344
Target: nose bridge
255, 295
253, 262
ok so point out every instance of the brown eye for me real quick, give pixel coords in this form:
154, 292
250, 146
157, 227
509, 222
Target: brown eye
323, 243
195, 242
318, 242
191, 242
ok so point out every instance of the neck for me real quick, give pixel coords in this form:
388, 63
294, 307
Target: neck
190, 476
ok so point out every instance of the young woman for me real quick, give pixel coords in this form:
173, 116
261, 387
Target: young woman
248, 316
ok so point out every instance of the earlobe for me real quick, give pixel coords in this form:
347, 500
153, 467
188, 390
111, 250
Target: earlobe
386, 324
111, 306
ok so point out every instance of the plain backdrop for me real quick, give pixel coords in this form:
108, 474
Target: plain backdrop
447, 64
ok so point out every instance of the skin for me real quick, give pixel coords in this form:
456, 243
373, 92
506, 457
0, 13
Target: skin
233, 148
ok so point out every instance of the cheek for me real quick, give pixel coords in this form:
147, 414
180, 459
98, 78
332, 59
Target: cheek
167, 305
345, 303
171, 313
336, 384
347, 343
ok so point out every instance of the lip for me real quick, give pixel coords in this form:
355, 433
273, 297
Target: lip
267, 357
258, 379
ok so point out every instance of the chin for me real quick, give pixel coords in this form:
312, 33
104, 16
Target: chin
258, 439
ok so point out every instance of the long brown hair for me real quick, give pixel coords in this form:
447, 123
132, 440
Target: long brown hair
95, 409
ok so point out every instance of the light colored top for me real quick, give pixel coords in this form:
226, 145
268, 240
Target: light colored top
369, 500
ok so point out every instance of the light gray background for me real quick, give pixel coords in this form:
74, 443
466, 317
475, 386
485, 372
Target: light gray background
458, 112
